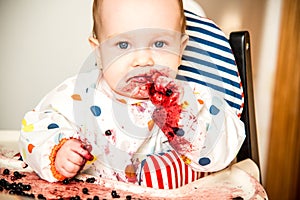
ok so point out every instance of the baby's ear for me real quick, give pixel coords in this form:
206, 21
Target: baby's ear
93, 42
184, 41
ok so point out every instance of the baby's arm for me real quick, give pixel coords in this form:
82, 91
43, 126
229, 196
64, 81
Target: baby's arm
42, 136
199, 124
48, 141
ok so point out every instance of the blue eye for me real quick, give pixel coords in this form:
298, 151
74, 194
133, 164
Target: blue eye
159, 44
123, 45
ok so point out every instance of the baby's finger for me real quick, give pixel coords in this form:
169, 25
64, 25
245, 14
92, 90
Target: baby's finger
76, 158
84, 153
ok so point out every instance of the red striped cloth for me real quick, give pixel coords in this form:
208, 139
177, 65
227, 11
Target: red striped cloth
167, 171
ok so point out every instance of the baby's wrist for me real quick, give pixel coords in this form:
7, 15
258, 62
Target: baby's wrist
52, 158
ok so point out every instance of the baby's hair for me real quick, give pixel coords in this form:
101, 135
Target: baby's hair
97, 4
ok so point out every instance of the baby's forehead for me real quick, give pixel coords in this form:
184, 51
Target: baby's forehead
126, 15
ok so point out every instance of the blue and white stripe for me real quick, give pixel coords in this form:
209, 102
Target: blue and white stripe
208, 60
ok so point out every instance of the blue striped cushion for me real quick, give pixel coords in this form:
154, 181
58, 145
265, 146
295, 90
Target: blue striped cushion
208, 60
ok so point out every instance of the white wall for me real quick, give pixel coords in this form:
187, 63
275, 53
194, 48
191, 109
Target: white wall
41, 43
44, 42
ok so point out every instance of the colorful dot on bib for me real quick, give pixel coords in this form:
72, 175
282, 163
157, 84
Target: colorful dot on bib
76, 97
200, 101
30, 148
185, 104
204, 161
27, 127
96, 111
150, 124
53, 126
213, 110
185, 159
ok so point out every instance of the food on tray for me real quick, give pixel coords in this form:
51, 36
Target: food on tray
231, 184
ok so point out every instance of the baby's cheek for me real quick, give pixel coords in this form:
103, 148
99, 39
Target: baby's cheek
112, 79
167, 59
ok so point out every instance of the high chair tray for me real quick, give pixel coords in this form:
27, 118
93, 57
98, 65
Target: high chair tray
238, 180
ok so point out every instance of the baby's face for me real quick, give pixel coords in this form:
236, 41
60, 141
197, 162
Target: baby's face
139, 40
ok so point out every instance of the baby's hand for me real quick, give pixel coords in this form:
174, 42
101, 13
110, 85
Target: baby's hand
71, 157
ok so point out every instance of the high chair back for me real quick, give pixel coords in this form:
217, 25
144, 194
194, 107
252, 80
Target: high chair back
240, 44
225, 66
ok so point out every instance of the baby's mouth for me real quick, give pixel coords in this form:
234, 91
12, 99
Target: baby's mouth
135, 84
145, 78
140, 79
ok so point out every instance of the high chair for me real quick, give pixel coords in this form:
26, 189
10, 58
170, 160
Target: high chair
240, 44
228, 71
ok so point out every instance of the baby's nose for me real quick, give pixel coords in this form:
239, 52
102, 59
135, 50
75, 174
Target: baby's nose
143, 58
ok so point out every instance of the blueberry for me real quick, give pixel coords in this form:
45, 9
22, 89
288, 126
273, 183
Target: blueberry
40, 196
96, 198
6, 171
17, 174
114, 194
26, 187
178, 131
20, 185
13, 186
85, 191
31, 195
128, 197
107, 132
66, 181
1, 188
90, 180
12, 192
75, 198
169, 92
3, 182
7, 186
77, 180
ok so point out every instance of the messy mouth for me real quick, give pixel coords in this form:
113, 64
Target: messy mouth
146, 78
135, 83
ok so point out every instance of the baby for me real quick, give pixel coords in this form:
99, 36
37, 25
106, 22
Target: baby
130, 120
